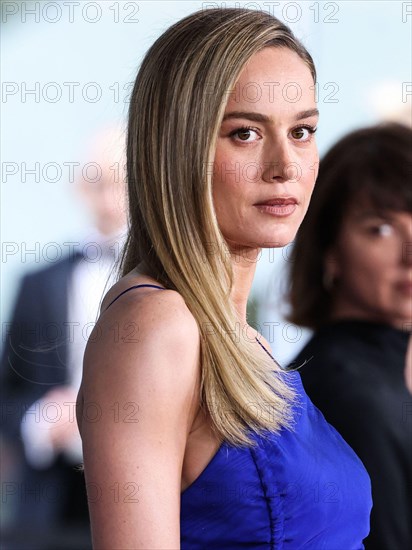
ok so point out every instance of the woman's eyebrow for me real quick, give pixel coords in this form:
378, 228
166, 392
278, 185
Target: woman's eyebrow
307, 114
373, 215
258, 117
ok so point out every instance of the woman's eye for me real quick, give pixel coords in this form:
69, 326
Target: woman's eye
245, 134
303, 133
382, 229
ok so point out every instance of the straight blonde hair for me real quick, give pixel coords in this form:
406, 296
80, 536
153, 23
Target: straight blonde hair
176, 110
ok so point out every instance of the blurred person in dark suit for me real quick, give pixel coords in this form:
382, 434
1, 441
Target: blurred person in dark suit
41, 366
351, 281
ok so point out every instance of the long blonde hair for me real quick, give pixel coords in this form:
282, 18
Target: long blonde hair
176, 109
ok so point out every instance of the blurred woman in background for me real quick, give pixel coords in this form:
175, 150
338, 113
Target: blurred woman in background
351, 281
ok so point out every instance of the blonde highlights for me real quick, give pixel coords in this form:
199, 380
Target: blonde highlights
176, 109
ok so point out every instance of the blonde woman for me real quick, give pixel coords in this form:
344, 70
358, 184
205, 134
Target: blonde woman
193, 436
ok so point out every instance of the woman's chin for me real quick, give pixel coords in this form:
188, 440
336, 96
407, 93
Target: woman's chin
280, 240
277, 239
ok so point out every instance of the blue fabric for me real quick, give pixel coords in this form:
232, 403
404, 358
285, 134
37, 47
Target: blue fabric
304, 488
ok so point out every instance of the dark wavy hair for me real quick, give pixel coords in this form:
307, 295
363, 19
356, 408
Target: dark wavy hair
372, 165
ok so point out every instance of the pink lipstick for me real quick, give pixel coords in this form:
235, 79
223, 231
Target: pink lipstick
284, 206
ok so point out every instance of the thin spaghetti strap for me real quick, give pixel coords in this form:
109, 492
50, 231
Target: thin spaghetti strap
130, 288
263, 347
270, 355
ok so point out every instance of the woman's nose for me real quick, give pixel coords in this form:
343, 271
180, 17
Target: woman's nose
406, 241
407, 252
279, 165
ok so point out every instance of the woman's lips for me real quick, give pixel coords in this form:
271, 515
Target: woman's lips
278, 207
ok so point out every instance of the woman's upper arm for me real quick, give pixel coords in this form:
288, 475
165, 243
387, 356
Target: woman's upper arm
139, 383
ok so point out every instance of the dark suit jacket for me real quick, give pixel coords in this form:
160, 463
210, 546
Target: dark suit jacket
34, 360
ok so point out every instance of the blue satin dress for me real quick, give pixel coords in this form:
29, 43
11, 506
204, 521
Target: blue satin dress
299, 489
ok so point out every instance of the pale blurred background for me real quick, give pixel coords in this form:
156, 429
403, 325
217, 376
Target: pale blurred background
80, 61
67, 72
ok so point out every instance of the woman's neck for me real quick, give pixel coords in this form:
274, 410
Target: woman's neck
345, 310
244, 268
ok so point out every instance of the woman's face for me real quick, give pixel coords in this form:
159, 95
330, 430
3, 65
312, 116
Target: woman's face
372, 265
266, 160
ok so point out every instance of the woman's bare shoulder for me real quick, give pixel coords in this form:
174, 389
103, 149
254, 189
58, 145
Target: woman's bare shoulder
124, 299
142, 325
148, 309
139, 393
